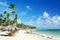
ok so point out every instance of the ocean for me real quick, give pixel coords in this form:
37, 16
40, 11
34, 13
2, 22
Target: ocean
54, 32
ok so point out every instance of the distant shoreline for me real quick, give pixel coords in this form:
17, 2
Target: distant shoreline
53, 32
49, 29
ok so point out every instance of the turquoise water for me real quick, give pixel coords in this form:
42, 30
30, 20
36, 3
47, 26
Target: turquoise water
49, 32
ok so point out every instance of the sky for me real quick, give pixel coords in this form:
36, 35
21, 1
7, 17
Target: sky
43, 14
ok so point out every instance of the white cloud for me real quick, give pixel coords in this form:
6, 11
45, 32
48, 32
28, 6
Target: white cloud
54, 19
38, 20
3, 3
28, 7
49, 22
46, 22
58, 18
45, 14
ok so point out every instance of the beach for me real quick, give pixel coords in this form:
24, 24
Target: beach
22, 35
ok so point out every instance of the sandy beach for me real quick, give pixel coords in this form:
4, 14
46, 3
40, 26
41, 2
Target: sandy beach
22, 35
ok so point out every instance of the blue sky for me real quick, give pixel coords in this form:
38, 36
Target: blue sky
44, 14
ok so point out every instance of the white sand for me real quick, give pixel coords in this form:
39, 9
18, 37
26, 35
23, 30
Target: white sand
21, 35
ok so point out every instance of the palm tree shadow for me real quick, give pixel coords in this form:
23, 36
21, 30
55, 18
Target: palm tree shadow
3, 35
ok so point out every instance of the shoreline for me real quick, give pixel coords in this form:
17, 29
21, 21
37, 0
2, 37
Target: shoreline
22, 35
46, 33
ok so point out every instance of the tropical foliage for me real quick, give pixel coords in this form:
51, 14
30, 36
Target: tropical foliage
25, 26
6, 20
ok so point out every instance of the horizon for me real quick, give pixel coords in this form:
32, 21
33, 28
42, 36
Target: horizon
43, 14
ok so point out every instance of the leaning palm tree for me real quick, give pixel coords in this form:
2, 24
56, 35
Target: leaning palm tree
7, 17
1, 15
12, 7
1, 20
16, 17
4, 22
8, 20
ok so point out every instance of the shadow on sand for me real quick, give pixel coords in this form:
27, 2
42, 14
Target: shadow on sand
3, 35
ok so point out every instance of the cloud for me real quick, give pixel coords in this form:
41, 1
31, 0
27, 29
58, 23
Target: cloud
28, 7
46, 22
58, 17
38, 20
45, 14
3, 3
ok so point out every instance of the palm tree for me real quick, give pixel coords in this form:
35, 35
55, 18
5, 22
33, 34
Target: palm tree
1, 15
16, 16
12, 6
13, 12
8, 20
7, 17
1, 20
4, 22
